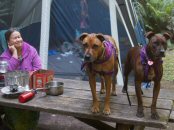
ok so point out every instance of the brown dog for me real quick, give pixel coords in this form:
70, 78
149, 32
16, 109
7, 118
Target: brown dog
147, 65
100, 57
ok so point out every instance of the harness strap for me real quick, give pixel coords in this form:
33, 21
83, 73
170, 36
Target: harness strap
147, 62
107, 53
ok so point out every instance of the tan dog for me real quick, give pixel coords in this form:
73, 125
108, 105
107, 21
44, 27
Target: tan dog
147, 65
100, 57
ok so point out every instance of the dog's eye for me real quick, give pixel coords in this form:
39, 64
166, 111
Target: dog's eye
85, 45
157, 43
95, 46
154, 46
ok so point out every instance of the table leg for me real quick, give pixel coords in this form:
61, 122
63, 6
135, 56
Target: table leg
124, 127
139, 128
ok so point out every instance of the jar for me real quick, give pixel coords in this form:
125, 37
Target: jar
3, 67
17, 77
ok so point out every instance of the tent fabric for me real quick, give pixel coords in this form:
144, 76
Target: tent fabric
68, 20
140, 34
26, 12
3, 43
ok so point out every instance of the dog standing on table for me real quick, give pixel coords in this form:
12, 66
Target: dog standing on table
147, 65
100, 57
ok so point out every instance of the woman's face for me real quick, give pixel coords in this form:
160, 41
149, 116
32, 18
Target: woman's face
15, 39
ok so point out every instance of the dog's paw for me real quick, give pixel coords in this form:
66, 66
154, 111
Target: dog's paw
113, 93
155, 116
95, 108
140, 113
106, 111
102, 91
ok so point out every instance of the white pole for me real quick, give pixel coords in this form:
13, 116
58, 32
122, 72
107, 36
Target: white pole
44, 37
124, 23
114, 32
129, 13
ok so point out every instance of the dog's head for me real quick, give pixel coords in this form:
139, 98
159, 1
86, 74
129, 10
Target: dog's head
92, 45
157, 44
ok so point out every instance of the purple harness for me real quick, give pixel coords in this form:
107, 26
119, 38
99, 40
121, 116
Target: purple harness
109, 50
147, 62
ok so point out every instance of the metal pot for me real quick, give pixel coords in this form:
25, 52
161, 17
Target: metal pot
53, 88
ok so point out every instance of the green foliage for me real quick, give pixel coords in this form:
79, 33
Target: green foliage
156, 14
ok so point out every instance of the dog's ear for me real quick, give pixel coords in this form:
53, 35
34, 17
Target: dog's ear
149, 34
82, 36
100, 37
166, 35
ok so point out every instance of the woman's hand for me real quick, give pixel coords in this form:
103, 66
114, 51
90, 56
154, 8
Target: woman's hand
14, 51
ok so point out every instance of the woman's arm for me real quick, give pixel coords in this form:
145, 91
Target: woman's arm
36, 61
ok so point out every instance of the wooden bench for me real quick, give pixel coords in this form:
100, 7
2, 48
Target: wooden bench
76, 101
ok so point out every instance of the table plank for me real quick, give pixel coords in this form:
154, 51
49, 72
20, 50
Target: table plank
119, 99
81, 108
84, 85
76, 101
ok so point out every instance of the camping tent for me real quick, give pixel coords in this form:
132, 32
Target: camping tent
53, 26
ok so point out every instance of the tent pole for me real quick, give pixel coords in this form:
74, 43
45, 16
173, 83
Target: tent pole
130, 16
44, 37
114, 32
124, 23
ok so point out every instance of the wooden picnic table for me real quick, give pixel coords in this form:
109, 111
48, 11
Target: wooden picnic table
77, 100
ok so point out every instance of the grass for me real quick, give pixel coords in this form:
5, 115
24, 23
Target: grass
168, 64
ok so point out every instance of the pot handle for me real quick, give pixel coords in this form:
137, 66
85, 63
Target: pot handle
47, 85
38, 89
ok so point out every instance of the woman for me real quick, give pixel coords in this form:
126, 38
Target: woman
20, 56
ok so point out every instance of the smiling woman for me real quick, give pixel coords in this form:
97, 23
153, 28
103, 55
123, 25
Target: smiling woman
19, 54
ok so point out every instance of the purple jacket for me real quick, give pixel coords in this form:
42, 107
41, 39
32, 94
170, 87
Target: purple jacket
30, 60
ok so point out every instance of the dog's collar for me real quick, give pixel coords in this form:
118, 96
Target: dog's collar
107, 52
147, 62
144, 57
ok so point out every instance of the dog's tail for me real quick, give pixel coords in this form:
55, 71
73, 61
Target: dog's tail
127, 70
124, 90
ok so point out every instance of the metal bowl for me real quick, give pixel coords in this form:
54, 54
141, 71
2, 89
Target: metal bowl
54, 88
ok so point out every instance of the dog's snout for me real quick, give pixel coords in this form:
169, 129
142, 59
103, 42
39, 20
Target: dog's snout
87, 57
162, 52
